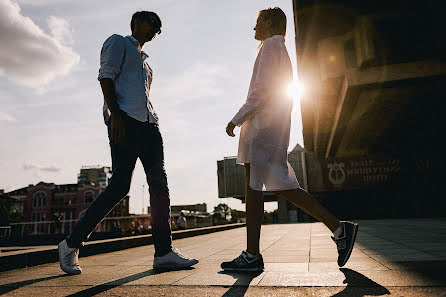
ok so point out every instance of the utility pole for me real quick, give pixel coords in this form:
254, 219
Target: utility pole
142, 200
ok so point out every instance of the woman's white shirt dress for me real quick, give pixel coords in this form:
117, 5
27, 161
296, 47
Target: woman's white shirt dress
265, 120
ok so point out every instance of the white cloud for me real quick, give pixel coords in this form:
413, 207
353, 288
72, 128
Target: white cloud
51, 168
29, 56
7, 117
41, 2
60, 29
29, 166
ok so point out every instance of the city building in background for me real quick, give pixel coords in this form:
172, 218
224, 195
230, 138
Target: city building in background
231, 183
53, 208
49, 208
196, 215
98, 175
373, 73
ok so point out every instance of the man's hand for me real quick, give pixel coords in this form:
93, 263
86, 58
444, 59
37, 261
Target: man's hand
230, 129
117, 127
117, 122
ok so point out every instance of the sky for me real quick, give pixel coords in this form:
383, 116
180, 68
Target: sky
51, 104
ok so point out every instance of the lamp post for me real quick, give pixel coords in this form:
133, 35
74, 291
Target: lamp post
142, 200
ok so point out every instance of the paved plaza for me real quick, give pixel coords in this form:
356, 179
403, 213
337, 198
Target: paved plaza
391, 257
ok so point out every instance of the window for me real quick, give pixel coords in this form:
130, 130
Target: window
37, 217
88, 196
39, 200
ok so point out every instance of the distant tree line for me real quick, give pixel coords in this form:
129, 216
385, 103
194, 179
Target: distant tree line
8, 214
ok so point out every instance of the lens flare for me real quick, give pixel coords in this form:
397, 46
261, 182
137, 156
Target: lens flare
295, 90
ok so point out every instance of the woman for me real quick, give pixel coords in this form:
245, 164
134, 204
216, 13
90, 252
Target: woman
265, 121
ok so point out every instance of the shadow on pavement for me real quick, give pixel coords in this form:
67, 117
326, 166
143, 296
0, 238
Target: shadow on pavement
243, 279
359, 285
118, 282
422, 241
6, 288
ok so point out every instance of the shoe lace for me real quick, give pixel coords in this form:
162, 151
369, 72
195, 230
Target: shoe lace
176, 251
73, 258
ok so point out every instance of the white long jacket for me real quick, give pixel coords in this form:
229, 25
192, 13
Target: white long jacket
265, 120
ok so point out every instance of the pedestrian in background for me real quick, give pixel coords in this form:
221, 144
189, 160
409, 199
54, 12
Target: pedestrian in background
181, 222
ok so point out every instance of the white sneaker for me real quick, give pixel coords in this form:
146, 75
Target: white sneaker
68, 258
173, 260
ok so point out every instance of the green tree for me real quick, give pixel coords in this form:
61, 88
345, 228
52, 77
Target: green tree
7, 214
222, 211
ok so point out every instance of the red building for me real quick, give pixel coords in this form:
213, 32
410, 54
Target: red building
53, 205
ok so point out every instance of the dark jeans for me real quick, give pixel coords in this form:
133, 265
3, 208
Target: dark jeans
143, 141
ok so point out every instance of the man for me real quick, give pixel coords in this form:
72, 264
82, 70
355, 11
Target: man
133, 131
181, 222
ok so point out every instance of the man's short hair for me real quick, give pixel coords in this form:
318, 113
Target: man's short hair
149, 16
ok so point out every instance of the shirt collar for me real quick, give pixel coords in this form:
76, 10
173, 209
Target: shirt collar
277, 37
135, 42
144, 55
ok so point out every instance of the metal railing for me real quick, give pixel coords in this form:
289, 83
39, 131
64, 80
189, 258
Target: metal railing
108, 224
108, 227
127, 225
5, 231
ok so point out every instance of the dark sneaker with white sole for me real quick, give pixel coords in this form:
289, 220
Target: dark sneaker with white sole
345, 241
244, 263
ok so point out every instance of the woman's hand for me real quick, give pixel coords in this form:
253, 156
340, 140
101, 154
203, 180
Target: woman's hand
230, 129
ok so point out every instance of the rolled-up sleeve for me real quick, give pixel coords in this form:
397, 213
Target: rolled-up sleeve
268, 64
112, 54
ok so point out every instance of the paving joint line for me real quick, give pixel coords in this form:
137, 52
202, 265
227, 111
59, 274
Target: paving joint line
373, 259
182, 278
274, 242
260, 279
309, 249
398, 243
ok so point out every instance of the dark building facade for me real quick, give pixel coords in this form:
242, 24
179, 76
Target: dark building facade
231, 183
373, 107
99, 175
46, 204
43, 201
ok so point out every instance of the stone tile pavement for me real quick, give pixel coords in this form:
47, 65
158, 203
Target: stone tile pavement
397, 257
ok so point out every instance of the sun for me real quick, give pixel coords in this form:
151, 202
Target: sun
295, 90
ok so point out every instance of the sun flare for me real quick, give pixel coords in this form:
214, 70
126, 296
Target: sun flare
295, 90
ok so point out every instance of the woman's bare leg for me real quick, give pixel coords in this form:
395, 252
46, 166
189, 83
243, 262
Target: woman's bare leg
310, 205
254, 214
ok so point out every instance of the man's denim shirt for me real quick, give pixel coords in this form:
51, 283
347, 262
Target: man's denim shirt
123, 61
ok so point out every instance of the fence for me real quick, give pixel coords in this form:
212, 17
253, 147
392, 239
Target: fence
123, 225
5, 231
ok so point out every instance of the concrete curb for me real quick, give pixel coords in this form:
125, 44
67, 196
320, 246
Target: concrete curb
37, 256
